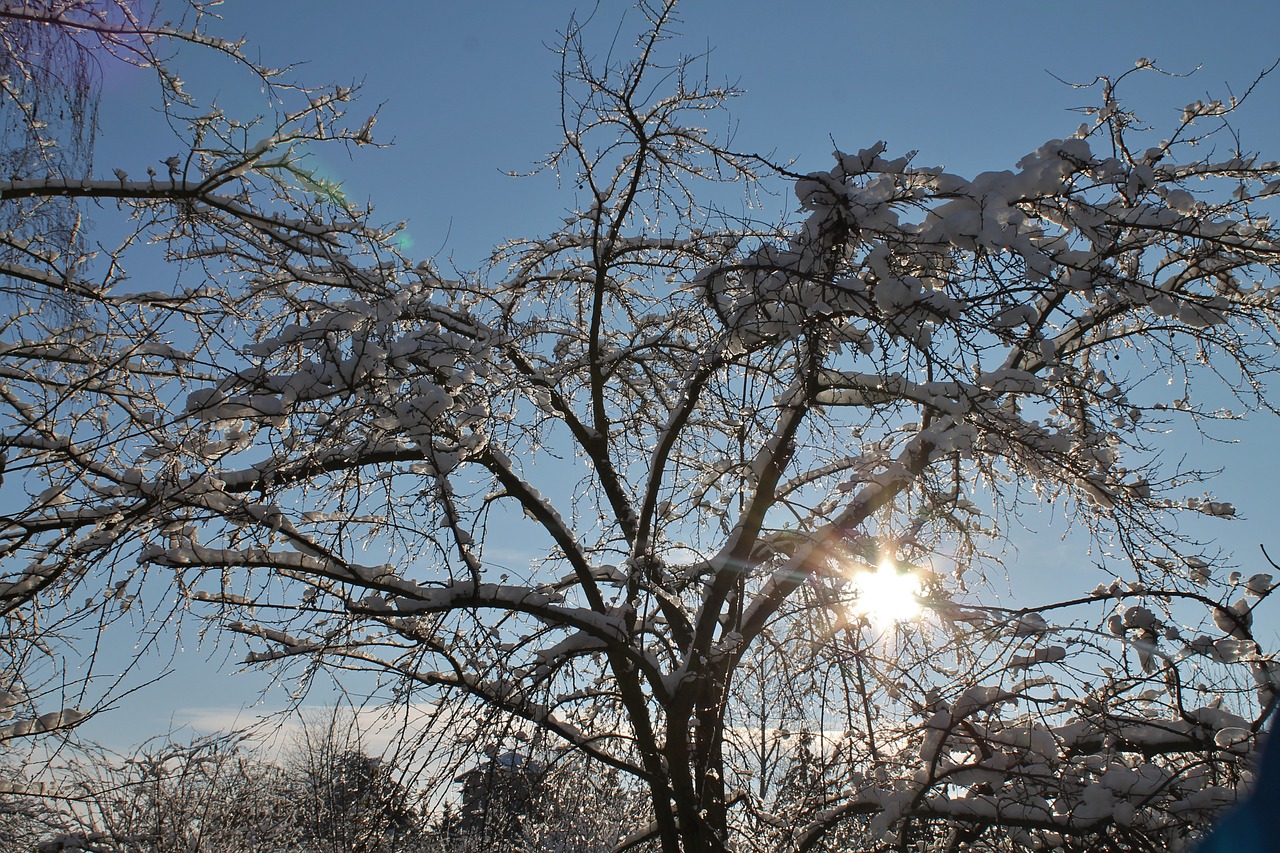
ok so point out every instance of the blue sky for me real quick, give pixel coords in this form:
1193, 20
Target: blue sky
466, 92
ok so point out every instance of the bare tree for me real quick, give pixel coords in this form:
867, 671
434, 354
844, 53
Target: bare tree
207, 795
227, 196
708, 434
52, 53
215, 794
48, 121
346, 800
26, 817
512, 800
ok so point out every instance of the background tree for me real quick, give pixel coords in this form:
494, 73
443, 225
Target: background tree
346, 800
220, 793
26, 817
516, 801
711, 433
207, 795
499, 798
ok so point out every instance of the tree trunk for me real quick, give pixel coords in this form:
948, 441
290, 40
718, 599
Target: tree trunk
708, 751
703, 810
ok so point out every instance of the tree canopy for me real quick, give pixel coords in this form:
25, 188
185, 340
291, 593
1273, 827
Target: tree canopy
706, 433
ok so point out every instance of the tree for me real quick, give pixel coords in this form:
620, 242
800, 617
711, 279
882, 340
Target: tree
51, 546
214, 794
208, 795
25, 817
346, 800
52, 55
500, 796
710, 432
515, 801
48, 117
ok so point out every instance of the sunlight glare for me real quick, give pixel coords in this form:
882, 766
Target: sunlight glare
887, 596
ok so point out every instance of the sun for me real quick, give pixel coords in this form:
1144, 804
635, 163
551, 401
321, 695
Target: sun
887, 596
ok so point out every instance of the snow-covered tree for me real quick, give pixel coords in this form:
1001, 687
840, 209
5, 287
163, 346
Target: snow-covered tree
715, 440
512, 800
206, 795
213, 794
345, 800
24, 819
49, 88
219, 191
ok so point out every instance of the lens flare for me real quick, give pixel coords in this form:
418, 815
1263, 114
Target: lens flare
887, 596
